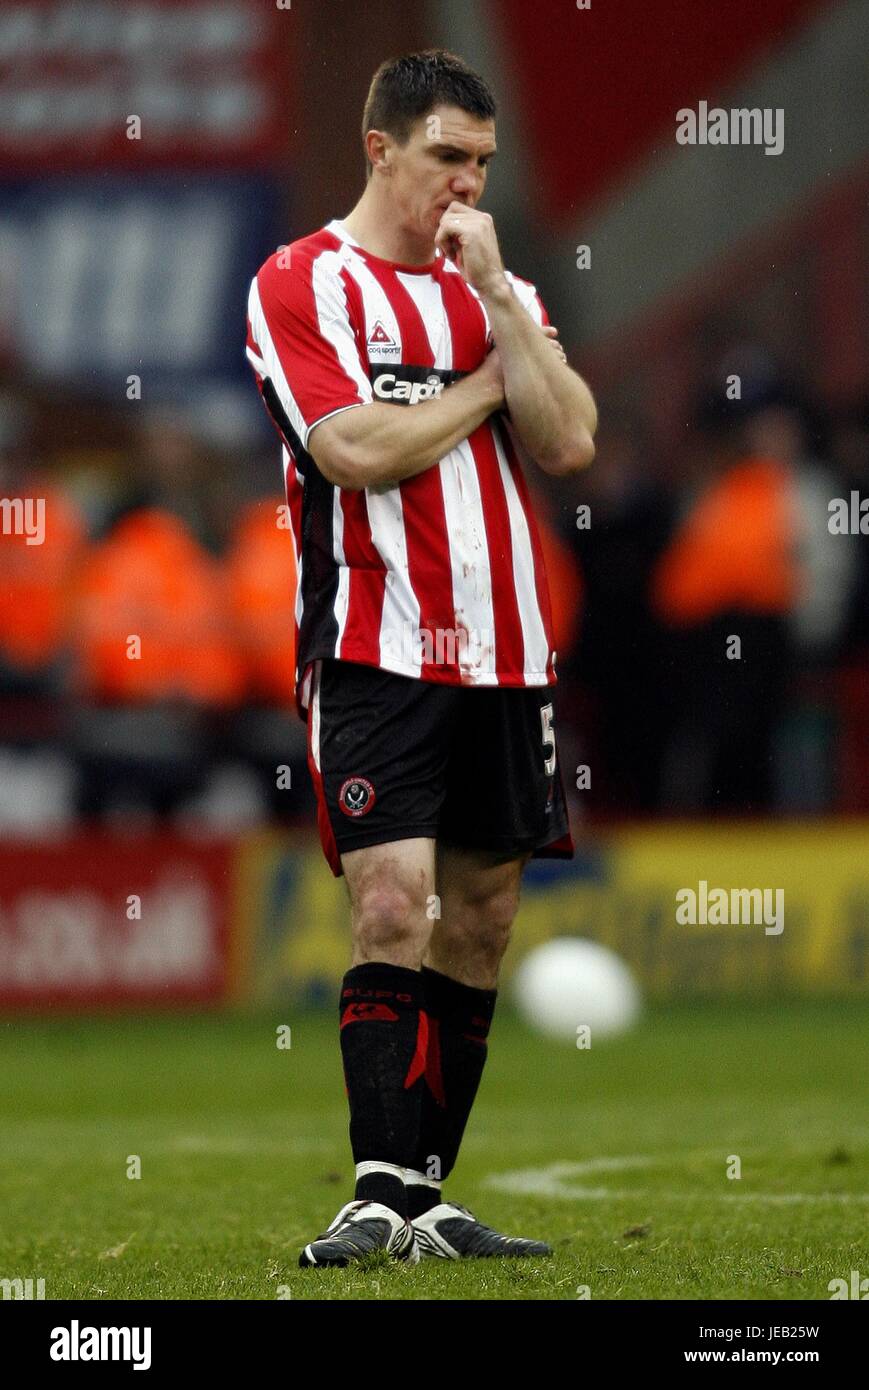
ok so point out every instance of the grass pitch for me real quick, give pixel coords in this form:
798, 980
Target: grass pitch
617, 1155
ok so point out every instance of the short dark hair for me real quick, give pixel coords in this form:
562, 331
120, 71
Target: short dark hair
404, 89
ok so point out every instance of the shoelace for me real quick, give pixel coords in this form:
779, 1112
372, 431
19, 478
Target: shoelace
349, 1222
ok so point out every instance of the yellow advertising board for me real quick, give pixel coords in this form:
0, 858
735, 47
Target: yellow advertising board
693, 909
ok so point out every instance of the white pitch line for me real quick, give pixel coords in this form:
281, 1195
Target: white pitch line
551, 1180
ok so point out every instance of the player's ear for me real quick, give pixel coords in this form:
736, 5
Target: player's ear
378, 144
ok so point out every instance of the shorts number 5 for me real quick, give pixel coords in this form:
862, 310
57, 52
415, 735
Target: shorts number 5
546, 716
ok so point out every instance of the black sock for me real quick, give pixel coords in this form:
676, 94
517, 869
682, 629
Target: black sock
383, 1046
459, 1020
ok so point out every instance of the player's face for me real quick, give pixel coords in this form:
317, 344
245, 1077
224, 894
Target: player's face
445, 160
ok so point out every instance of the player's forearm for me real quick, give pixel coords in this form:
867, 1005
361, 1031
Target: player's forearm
551, 408
379, 445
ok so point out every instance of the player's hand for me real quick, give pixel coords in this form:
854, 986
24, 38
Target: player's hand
467, 237
552, 333
491, 373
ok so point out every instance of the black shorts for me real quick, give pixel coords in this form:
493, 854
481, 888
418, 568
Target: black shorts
394, 758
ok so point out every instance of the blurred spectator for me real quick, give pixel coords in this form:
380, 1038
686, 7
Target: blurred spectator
154, 650
152, 618
777, 426
35, 587
729, 573
170, 468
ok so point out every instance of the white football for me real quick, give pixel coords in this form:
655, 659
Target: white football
569, 983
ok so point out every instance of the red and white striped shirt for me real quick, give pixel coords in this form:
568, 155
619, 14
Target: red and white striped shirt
440, 577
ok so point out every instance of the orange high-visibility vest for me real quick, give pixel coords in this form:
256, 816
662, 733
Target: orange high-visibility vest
36, 577
151, 580
261, 570
734, 550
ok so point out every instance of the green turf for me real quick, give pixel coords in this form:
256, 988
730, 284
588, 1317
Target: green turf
245, 1158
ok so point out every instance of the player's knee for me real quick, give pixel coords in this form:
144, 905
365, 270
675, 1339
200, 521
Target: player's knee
387, 918
492, 920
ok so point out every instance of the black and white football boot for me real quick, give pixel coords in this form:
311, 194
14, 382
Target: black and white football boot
451, 1232
359, 1229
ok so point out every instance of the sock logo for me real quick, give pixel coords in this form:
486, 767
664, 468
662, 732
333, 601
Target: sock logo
357, 1013
354, 990
356, 796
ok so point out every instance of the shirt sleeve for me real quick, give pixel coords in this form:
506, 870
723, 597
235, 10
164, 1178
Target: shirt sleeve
301, 340
530, 300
